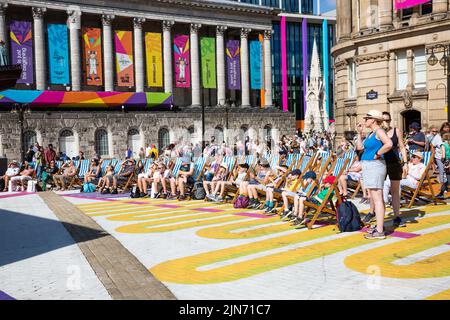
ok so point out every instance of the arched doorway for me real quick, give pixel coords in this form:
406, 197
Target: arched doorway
134, 142
410, 116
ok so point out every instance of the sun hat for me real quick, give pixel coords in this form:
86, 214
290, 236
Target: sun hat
418, 154
224, 165
329, 179
309, 175
374, 114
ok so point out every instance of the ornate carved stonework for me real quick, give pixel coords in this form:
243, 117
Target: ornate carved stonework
195, 27
245, 32
407, 98
341, 65
74, 16
107, 19
374, 57
268, 34
38, 12
3, 7
167, 25
137, 22
220, 30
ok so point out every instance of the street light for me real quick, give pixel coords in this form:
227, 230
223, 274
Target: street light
21, 109
444, 62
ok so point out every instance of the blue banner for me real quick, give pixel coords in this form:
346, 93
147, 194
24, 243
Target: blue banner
256, 82
58, 53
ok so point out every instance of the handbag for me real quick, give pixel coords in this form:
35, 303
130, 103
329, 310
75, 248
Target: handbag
88, 187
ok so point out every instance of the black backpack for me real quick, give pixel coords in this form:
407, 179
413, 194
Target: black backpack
198, 193
348, 217
135, 192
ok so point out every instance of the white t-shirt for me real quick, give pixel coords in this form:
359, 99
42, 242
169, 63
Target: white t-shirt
436, 142
11, 172
415, 172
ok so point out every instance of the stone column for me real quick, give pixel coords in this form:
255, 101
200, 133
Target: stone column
344, 19
220, 57
74, 22
167, 49
392, 73
108, 52
139, 54
440, 8
39, 45
410, 68
267, 68
385, 14
245, 70
195, 65
364, 17
3, 29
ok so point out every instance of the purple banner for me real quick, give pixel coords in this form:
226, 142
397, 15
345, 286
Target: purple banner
22, 49
403, 4
233, 65
182, 64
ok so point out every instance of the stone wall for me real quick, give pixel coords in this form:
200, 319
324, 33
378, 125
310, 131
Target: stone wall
49, 124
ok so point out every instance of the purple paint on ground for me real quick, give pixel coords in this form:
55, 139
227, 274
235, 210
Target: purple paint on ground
4, 296
16, 194
397, 234
208, 210
87, 197
168, 206
252, 215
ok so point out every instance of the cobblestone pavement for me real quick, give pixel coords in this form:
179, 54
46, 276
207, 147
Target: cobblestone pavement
203, 250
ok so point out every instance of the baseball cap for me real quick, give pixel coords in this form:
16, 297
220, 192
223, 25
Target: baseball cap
418, 154
310, 175
329, 179
414, 125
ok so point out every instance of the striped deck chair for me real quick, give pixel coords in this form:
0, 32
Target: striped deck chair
274, 162
424, 190
305, 163
117, 166
290, 159
230, 161
198, 168
82, 169
176, 167
104, 164
250, 160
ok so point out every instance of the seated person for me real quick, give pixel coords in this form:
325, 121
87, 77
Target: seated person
127, 170
317, 199
93, 175
145, 178
308, 181
69, 171
12, 171
106, 181
258, 181
184, 176
211, 168
283, 160
414, 173
274, 180
289, 188
354, 173
238, 182
158, 177
215, 183
169, 177
22, 179
48, 173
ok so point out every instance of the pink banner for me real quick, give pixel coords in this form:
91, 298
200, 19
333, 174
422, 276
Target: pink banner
284, 84
182, 65
403, 4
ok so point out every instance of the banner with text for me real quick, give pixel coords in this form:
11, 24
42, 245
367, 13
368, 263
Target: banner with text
256, 65
208, 56
124, 58
93, 72
233, 64
58, 54
403, 4
182, 63
153, 48
22, 49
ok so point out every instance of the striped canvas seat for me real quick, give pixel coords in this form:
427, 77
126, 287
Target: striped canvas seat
249, 160
290, 159
147, 164
117, 166
84, 168
274, 162
105, 163
176, 167
305, 162
199, 165
229, 161
338, 166
59, 164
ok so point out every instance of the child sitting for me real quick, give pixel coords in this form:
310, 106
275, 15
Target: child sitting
218, 178
106, 181
288, 190
274, 181
317, 200
308, 182
239, 182
169, 177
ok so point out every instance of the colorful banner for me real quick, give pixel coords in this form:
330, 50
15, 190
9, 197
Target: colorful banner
256, 65
208, 56
58, 54
86, 99
124, 58
22, 49
403, 4
182, 64
92, 58
233, 65
153, 49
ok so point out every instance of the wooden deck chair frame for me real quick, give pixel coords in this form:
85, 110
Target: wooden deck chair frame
83, 168
76, 163
124, 186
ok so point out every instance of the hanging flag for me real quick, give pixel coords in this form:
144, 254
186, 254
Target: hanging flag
153, 50
22, 49
182, 63
58, 54
263, 84
256, 65
93, 72
403, 4
208, 56
233, 64
124, 58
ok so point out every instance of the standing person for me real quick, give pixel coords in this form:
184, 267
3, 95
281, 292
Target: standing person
395, 168
445, 128
416, 139
142, 153
435, 141
147, 150
40, 162
373, 164
128, 153
30, 154
49, 154
446, 144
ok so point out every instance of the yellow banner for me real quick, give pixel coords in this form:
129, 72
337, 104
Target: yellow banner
153, 50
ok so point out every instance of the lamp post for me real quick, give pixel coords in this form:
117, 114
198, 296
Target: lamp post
21, 109
444, 62
203, 127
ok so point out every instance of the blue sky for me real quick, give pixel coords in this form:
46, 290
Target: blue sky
327, 5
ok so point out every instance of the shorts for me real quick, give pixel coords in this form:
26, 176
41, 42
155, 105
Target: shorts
190, 180
143, 175
261, 187
209, 176
290, 193
253, 182
373, 173
394, 170
354, 176
313, 200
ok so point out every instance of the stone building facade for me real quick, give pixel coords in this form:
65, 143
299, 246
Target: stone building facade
381, 62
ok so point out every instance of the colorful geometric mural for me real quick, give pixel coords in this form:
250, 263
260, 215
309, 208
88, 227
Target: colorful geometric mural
93, 56
83, 99
182, 64
124, 58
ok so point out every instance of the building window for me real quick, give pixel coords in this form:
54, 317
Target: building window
426, 8
402, 71
218, 133
29, 139
351, 79
163, 138
420, 68
101, 142
405, 14
134, 142
268, 135
67, 143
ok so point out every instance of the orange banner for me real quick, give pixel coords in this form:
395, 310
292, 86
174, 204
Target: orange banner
124, 58
93, 72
